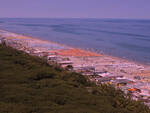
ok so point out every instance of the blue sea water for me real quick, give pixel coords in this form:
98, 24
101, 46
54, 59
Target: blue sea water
124, 38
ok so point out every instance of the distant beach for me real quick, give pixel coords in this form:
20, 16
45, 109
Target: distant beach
123, 38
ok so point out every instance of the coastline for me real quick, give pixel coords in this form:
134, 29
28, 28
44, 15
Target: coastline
109, 69
37, 40
66, 47
21, 36
86, 50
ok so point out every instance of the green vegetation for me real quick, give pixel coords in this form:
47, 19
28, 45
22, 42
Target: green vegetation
29, 85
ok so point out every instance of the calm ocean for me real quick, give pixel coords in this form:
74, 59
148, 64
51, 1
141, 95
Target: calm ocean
117, 37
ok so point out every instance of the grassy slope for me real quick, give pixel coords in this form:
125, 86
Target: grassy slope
29, 85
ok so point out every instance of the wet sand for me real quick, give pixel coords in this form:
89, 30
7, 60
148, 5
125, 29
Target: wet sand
82, 57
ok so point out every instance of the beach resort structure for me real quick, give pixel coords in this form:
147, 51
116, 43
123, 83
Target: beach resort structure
131, 77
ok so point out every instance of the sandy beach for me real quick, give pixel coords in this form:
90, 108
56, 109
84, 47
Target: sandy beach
77, 54
84, 61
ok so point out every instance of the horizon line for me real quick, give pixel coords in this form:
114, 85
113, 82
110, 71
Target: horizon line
81, 18
74, 18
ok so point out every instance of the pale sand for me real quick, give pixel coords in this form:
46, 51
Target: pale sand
81, 57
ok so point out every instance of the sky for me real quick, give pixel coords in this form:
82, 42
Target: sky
136, 9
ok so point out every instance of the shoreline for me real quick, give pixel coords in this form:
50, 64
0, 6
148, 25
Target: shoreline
33, 38
121, 73
86, 50
22, 36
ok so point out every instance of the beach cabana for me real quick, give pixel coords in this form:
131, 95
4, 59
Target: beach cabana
52, 57
103, 79
137, 77
87, 69
131, 90
68, 62
121, 82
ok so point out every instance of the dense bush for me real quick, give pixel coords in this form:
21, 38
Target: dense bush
43, 74
29, 85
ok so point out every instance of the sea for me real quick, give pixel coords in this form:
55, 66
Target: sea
123, 38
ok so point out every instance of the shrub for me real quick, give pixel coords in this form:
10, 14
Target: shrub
42, 74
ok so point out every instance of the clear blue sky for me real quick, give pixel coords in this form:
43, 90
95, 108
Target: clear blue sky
76, 8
